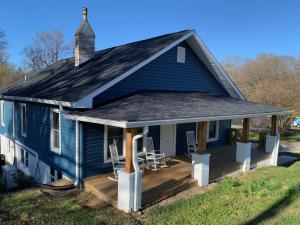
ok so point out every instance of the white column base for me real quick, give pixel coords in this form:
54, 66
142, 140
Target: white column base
243, 154
126, 191
272, 146
200, 168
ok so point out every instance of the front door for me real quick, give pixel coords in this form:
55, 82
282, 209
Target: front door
168, 139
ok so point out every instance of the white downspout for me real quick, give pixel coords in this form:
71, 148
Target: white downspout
136, 167
14, 133
13, 121
77, 152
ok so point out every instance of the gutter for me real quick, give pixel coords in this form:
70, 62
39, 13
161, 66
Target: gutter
136, 167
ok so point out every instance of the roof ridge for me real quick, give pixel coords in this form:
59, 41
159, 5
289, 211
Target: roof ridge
147, 39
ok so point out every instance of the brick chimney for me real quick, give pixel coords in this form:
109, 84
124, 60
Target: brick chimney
84, 40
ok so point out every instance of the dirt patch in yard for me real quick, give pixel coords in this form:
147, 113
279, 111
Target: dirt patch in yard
83, 198
89, 200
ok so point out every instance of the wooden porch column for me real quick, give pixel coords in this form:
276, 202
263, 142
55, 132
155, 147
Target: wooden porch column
246, 126
273, 125
202, 129
130, 133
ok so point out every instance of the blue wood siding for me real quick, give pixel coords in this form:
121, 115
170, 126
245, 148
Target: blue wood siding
93, 150
38, 137
165, 73
7, 129
181, 145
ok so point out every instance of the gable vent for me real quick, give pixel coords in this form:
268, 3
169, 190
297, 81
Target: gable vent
180, 54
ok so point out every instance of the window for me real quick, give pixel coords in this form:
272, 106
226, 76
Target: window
54, 174
213, 130
180, 54
114, 134
55, 130
117, 135
23, 120
2, 106
24, 157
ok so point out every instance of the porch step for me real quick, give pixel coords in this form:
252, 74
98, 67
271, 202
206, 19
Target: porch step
103, 188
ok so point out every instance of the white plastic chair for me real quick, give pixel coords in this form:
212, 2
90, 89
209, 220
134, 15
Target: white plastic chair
191, 143
115, 160
154, 158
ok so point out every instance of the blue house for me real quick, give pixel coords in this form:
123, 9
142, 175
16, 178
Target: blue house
61, 121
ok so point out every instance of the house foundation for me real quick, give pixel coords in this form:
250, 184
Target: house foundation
272, 146
243, 154
200, 168
126, 191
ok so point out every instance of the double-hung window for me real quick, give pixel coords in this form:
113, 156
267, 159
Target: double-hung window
213, 131
117, 135
114, 135
2, 108
23, 120
55, 131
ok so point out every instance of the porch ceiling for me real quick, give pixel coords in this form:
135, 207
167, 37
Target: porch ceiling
159, 108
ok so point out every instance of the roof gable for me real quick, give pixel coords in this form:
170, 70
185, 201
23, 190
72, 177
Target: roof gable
165, 73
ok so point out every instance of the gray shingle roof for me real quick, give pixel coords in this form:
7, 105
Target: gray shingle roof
62, 81
175, 105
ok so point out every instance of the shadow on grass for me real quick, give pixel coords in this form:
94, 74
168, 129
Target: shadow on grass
274, 209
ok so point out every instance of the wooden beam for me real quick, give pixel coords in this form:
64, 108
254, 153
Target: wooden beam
202, 129
130, 133
246, 128
273, 125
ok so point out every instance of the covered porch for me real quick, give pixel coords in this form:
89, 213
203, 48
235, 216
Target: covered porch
137, 188
162, 184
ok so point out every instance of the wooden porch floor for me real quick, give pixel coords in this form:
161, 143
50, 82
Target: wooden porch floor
169, 181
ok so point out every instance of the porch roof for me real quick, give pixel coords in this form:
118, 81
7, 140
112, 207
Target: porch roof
160, 108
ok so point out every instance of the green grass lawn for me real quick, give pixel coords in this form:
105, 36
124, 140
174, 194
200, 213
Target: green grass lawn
32, 207
262, 196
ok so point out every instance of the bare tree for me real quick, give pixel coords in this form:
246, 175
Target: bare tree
46, 48
3, 48
269, 79
9, 74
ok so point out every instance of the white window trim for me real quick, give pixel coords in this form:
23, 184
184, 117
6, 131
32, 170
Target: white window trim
106, 160
2, 106
54, 149
22, 133
217, 132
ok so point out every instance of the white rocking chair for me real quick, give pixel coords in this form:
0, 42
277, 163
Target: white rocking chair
191, 143
116, 163
154, 159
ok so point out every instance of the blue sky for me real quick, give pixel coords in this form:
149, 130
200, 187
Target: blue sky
228, 27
